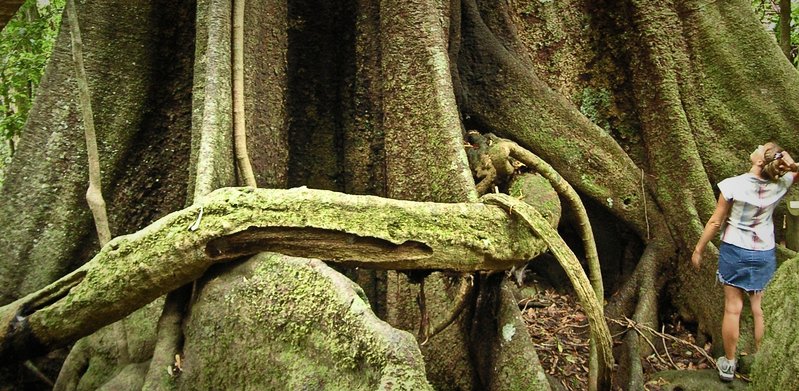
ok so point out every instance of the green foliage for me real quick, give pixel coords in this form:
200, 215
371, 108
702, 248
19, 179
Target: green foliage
795, 32
769, 14
25, 46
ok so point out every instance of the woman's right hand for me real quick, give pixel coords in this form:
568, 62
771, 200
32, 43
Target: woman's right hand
787, 162
696, 258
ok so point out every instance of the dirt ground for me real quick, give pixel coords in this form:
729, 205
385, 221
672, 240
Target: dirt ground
559, 329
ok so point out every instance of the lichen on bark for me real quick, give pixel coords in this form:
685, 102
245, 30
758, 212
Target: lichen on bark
322, 335
777, 361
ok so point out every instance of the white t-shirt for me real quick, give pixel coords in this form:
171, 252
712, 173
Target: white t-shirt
753, 201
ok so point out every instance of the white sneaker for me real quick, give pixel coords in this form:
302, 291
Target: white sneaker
726, 369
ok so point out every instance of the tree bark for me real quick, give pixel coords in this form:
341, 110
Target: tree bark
8, 8
776, 360
641, 106
47, 178
212, 94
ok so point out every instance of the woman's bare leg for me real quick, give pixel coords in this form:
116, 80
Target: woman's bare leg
730, 329
757, 313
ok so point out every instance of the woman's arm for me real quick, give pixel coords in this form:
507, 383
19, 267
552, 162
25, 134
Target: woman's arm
788, 164
711, 229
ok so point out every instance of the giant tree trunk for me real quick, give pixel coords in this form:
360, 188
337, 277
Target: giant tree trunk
642, 106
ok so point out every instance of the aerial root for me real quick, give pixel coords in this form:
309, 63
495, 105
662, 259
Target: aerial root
74, 367
582, 287
466, 287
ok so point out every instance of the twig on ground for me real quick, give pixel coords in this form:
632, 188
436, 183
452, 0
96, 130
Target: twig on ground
633, 324
666, 348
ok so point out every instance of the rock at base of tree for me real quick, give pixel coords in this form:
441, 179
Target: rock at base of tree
705, 380
297, 324
777, 361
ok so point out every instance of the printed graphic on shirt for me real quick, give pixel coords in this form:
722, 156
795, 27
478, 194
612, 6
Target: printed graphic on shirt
750, 223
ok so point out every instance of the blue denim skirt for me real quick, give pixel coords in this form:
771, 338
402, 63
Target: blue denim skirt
749, 270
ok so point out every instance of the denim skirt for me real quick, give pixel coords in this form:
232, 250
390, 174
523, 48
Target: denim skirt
749, 270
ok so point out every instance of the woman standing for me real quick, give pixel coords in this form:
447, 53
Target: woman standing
747, 258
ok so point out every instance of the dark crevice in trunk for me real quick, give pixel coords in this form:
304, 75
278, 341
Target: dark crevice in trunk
612, 238
321, 37
335, 118
610, 22
483, 334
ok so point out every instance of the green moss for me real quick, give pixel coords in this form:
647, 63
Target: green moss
595, 104
706, 380
777, 362
104, 367
536, 191
276, 322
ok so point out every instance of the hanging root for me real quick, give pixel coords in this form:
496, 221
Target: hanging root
511, 149
492, 157
599, 329
169, 339
74, 367
239, 125
424, 317
94, 193
466, 286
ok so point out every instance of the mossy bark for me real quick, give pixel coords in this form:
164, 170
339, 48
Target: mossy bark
320, 61
425, 161
420, 113
777, 361
48, 176
364, 133
94, 362
138, 63
703, 379
691, 93
321, 336
212, 121
266, 90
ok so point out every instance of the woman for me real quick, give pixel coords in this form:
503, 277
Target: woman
747, 252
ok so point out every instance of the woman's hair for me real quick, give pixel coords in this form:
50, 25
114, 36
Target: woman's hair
771, 155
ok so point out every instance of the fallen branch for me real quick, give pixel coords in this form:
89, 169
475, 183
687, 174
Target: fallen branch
365, 231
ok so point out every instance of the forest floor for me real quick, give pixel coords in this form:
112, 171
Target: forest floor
559, 329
